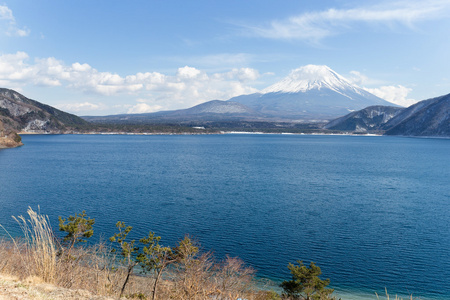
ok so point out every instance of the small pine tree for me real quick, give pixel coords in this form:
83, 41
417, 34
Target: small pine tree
128, 250
305, 283
154, 257
78, 228
186, 250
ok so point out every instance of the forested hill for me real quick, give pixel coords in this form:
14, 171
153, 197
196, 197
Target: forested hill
426, 118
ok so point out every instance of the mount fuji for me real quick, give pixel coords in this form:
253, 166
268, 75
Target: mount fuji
310, 93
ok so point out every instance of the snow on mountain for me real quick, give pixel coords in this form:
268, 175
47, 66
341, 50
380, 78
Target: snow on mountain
312, 77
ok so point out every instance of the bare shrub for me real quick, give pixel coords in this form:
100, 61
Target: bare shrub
12, 262
89, 268
193, 278
234, 280
199, 276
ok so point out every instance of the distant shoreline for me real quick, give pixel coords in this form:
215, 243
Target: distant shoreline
198, 133
232, 132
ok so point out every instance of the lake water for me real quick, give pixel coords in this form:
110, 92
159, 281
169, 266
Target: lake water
372, 212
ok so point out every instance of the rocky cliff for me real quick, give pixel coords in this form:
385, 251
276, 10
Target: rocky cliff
21, 114
9, 139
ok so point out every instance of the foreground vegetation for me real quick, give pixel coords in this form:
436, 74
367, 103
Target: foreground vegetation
142, 269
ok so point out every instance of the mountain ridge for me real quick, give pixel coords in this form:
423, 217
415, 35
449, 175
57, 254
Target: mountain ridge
429, 117
311, 92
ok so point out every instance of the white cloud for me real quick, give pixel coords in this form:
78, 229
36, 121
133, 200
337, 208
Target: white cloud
242, 74
47, 82
360, 79
79, 107
142, 108
14, 68
357, 78
394, 94
6, 13
77, 67
188, 72
315, 26
21, 32
189, 86
8, 23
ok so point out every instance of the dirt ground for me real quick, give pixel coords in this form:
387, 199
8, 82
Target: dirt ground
11, 288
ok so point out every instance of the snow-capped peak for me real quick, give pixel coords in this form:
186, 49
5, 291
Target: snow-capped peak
311, 77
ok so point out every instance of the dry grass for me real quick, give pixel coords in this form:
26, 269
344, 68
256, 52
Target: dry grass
38, 257
396, 297
39, 246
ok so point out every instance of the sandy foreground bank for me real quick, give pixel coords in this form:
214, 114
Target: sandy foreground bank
12, 288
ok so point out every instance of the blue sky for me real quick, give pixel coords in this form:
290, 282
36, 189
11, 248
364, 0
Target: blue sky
107, 57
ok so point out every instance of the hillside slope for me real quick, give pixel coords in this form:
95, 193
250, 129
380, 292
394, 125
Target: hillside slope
426, 118
19, 113
212, 110
369, 119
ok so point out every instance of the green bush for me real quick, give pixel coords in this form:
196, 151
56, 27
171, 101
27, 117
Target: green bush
78, 228
306, 283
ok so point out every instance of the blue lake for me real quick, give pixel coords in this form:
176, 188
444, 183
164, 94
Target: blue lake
372, 212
